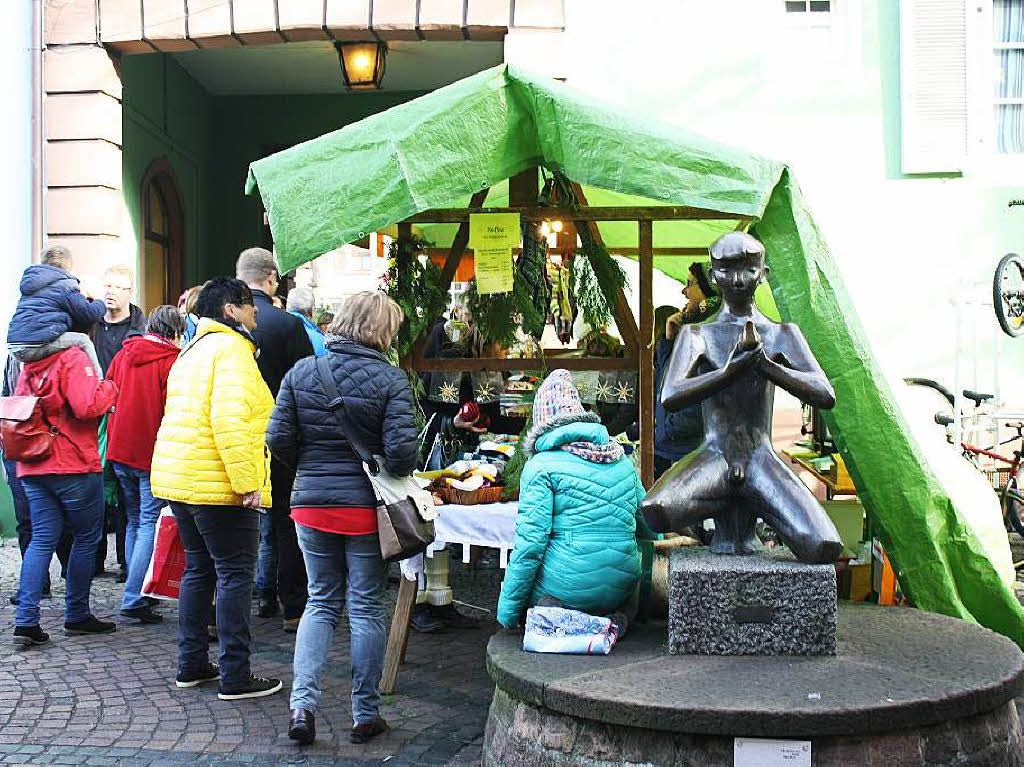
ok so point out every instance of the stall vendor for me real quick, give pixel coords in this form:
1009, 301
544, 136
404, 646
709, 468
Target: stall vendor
579, 521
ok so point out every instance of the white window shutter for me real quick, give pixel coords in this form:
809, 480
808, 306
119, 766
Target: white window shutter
933, 85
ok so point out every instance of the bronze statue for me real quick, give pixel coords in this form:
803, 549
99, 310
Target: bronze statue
731, 366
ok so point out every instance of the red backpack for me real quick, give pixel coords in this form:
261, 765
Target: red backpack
25, 433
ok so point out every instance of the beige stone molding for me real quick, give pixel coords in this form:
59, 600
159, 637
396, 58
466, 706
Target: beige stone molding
133, 26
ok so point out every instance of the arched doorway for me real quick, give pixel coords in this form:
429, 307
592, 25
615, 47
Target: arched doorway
162, 237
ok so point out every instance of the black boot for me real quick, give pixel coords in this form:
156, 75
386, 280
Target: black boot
268, 607
302, 727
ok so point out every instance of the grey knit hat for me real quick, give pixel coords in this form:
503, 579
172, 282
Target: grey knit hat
556, 403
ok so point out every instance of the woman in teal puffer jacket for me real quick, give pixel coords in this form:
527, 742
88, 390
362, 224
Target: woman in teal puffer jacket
579, 520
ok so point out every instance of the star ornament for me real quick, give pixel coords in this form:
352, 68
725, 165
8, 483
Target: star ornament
604, 390
484, 391
623, 392
448, 392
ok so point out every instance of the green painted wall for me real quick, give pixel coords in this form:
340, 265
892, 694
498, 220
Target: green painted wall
210, 141
246, 127
169, 116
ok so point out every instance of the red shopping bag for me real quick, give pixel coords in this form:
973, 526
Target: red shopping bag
163, 576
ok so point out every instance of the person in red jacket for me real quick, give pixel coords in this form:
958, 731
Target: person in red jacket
140, 371
64, 489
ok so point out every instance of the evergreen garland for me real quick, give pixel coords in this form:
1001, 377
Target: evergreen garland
530, 270
417, 291
514, 468
597, 276
590, 300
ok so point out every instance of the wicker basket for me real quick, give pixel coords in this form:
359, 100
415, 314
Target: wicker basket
470, 497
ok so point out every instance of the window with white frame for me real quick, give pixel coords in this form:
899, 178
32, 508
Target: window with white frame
1008, 41
808, 6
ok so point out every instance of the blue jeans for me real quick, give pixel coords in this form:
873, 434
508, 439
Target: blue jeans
266, 566
340, 567
220, 554
143, 511
56, 501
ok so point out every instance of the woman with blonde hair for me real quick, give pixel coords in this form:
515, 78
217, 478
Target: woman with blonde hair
334, 505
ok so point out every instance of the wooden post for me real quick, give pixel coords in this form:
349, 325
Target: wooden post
451, 263
522, 189
646, 352
399, 634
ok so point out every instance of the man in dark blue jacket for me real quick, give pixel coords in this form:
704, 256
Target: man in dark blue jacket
51, 302
282, 342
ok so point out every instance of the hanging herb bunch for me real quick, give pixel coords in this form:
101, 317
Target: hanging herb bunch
596, 276
497, 316
413, 281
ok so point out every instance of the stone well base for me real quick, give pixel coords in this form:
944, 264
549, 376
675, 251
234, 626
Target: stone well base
520, 733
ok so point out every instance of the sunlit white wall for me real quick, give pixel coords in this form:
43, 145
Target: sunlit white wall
823, 98
16, 146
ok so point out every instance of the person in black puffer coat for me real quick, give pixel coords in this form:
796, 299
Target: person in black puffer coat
333, 503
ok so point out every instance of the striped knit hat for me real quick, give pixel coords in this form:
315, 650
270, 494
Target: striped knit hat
556, 403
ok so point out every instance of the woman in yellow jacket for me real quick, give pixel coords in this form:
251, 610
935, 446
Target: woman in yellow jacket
210, 462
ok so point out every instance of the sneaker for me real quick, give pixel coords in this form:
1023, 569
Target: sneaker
255, 687
195, 678
143, 614
423, 621
364, 732
290, 625
122, 576
27, 636
91, 625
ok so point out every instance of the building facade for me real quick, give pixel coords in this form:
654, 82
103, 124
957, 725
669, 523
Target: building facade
900, 118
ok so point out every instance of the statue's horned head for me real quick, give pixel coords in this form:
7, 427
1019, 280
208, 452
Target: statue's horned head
737, 265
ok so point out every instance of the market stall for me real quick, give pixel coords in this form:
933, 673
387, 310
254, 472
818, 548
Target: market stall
432, 161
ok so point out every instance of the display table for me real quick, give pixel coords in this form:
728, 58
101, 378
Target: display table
490, 525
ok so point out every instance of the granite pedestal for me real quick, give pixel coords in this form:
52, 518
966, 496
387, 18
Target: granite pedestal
749, 605
905, 688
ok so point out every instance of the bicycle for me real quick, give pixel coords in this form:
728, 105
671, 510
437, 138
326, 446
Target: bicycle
1011, 499
1008, 294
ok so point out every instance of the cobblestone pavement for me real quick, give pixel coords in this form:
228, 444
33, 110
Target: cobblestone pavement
112, 699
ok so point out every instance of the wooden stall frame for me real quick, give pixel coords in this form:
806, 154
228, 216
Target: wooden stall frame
638, 340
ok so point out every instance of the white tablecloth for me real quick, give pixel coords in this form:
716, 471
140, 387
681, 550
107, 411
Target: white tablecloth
486, 524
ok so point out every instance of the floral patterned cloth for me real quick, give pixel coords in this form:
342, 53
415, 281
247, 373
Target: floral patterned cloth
590, 451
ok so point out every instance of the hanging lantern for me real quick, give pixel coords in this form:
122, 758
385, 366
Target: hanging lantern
362, 64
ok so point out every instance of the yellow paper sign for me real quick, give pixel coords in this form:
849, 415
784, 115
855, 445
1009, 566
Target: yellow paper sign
492, 237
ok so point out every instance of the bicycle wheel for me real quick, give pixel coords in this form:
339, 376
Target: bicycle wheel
1008, 294
1013, 506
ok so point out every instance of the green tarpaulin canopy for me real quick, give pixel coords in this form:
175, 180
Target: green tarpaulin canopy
435, 151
